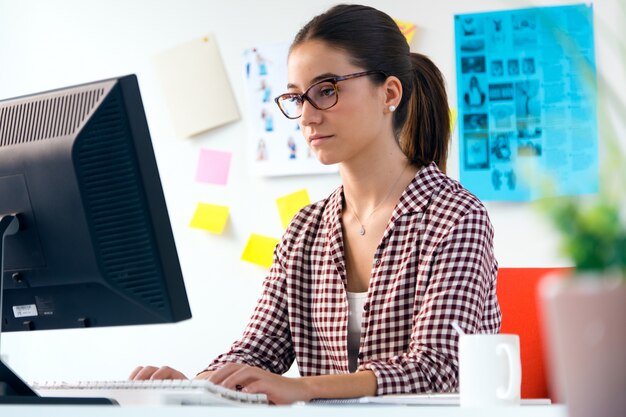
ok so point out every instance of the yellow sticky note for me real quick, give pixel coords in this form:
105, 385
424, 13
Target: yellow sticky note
290, 204
407, 29
210, 217
259, 250
453, 116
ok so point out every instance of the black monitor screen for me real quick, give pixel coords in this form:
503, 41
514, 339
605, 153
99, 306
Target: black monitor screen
94, 246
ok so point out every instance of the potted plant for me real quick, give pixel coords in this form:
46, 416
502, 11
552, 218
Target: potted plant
585, 313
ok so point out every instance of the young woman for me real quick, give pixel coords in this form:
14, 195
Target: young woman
474, 97
366, 283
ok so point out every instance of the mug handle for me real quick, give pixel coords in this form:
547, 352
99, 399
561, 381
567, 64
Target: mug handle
515, 373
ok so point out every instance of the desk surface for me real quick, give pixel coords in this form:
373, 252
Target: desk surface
326, 411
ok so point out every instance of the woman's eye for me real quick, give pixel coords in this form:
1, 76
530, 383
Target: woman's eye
327, 91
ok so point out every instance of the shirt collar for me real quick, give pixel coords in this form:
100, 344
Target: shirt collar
419, 192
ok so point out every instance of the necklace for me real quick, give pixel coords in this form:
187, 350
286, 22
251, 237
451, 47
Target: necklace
362, 229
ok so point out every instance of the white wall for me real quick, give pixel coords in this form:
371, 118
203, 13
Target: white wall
50, 44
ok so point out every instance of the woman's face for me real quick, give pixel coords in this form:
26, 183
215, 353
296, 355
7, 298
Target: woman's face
347, 129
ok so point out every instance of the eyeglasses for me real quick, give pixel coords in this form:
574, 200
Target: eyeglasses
322, 95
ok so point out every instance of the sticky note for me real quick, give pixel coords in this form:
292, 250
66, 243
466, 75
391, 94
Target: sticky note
196, 87
290, 204
210, 217
213, 166
407, 29
259, 250
453, 117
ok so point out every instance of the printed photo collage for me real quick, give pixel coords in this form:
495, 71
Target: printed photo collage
499, 95
277, 147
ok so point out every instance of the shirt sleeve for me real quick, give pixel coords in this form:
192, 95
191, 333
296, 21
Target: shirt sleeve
266, 342
461, 281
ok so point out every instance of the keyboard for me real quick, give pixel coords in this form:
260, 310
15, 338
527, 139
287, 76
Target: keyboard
153, 392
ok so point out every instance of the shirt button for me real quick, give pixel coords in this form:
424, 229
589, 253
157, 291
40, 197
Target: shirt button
377, 262
361, 355
366, 307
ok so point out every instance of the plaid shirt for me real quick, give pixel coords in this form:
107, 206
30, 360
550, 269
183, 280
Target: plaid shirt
434, 265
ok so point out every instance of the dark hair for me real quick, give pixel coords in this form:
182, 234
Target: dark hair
374, 42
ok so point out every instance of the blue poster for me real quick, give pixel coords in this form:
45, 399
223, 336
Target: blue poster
526, 90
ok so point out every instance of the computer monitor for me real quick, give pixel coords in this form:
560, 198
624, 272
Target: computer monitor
94, 245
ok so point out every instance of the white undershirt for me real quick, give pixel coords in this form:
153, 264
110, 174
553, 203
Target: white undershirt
356, 302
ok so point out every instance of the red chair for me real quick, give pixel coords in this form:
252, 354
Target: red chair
517, 294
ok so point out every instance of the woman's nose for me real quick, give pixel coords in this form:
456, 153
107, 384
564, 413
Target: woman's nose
309, 114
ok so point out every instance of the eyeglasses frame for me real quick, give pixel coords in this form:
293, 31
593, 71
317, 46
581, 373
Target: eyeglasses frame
333, 80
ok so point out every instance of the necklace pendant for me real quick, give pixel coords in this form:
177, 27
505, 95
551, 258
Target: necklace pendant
362, 230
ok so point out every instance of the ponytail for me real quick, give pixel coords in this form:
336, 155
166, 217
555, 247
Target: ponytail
424, 131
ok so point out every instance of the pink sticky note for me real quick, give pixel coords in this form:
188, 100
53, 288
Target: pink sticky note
213, 166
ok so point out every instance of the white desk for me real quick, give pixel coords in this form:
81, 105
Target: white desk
306, 411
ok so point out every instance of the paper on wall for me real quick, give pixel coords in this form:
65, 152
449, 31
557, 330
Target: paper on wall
290, 204
276, 145
210, 217
526, 91
260, 250
454, 114
213, 166
196, 87
407, 29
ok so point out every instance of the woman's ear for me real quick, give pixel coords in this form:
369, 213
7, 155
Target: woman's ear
392, 89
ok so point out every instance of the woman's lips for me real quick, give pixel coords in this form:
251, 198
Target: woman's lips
317, 139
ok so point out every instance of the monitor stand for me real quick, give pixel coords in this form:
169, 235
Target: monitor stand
12, 389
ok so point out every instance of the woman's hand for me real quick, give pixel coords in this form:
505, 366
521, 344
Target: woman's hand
279, 389
152, 372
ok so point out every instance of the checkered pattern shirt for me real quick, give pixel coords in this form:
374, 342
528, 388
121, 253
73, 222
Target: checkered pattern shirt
435, 265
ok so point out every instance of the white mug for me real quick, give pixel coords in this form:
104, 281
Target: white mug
490, 372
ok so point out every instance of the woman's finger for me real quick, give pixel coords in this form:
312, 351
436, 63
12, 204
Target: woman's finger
218, 376
143, 372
